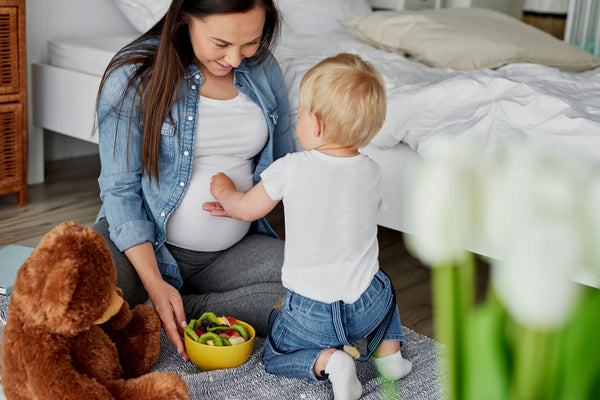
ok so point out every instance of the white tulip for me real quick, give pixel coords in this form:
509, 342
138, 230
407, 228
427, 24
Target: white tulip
535, 281
539, 234
444, 199
525, 203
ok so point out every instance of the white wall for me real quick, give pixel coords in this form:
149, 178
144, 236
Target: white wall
511, 7
50, 19
547, 6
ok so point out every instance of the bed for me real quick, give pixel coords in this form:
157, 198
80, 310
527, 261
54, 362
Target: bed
543, 88
508, 78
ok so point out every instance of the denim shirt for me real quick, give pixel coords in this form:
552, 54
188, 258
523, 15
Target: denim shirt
136, 208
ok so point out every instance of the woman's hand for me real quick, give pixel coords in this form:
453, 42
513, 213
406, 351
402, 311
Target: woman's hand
166, 300
219, 183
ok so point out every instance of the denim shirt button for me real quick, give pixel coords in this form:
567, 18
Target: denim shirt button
156, 243
182, 184
197, 76
162, 214
193, 87
239, 84
190, 118
186, 153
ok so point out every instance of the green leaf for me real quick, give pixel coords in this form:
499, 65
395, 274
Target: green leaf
582, 361
486, 372
447, 323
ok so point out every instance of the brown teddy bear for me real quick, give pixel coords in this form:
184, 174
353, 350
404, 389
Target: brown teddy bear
69, 333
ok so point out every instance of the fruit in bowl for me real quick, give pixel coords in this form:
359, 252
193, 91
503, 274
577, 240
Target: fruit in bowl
214, 342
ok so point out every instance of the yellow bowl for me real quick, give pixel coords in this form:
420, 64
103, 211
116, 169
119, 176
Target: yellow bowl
209, 358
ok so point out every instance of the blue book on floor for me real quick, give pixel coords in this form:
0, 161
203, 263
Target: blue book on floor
11, 259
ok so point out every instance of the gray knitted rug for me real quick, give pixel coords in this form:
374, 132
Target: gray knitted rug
250, 381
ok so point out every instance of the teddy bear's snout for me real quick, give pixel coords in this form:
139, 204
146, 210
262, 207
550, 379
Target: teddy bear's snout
116, 301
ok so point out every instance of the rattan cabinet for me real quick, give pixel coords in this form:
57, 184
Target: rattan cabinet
13, 100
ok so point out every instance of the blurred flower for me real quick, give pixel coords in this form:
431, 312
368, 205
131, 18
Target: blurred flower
535, 281
538, 233
536, 209
445, 198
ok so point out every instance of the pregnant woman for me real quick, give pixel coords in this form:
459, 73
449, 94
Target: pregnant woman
200, 92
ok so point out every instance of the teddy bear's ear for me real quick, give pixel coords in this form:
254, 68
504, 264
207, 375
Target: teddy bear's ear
58, 290
44, 287
63, 285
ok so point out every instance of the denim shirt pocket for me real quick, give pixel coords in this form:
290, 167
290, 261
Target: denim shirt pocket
167, 142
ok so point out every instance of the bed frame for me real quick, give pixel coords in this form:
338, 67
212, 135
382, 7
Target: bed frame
77, 91
61, 100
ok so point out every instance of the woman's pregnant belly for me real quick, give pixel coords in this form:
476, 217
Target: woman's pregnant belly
192, 228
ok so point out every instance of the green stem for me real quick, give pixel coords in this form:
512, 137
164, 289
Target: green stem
530, 363
465, 303
444, 292
466, 284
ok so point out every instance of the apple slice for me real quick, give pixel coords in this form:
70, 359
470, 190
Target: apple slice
236, 340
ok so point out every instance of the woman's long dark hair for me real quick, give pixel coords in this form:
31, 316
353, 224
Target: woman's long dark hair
160, 57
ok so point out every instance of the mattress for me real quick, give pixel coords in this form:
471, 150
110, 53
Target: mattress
87, 54
398, 164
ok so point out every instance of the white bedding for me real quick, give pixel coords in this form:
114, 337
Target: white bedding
492, 104
88, 54
423, 101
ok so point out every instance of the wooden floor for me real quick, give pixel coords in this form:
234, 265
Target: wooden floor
70, 193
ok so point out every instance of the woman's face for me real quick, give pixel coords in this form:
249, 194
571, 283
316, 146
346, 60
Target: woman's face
221, 41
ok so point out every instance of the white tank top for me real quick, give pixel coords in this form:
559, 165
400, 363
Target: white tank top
229, 133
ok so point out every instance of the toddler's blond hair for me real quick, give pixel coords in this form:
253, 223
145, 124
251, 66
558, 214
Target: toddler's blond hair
347, 94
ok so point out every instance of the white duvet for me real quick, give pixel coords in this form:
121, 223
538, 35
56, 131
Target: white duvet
537, 100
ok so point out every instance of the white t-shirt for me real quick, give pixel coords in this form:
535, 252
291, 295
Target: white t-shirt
229, 134
330, 205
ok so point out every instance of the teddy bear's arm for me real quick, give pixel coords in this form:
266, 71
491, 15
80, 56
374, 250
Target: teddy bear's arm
138, 342
119, 320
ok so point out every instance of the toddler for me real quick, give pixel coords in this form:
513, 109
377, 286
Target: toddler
336, 293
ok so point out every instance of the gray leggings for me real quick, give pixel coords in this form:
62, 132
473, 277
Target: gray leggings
243, 281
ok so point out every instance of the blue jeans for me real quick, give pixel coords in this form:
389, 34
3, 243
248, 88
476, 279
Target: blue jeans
304, 328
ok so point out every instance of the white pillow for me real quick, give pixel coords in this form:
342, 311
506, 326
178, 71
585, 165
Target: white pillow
143, 14
466, 38
315, 17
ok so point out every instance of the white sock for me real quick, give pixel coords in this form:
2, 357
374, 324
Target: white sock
393, 367
342, 374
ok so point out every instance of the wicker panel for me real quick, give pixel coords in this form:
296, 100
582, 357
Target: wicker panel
11, 150
13, 100
9, 54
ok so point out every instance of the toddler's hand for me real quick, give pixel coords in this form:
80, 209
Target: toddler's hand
216, 209
220, 182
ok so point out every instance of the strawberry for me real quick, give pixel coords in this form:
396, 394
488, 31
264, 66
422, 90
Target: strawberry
230, 332
199, 332
230, 320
